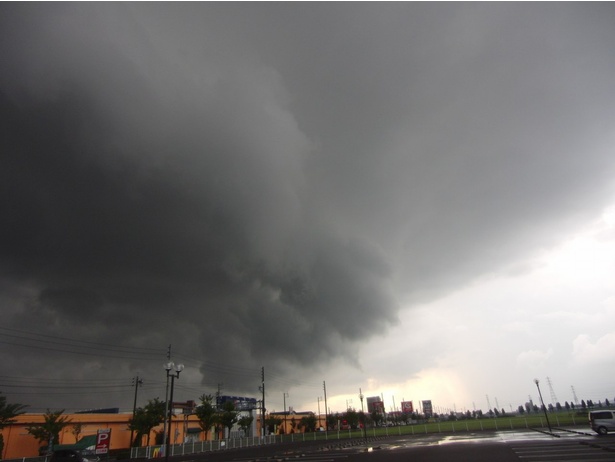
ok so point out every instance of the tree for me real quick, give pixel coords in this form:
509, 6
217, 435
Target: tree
206, 413
332, 420
229, 416
376, 417
308, 423
50, 430
8, 412
293, 425
145, 419
76, 430
245, 423
352, 417
271, 422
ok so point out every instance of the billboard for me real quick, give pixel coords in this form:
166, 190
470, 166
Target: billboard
375, 404
406, 406
241, 403
427, 408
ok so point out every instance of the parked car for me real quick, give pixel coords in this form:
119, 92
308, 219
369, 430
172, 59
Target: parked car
602, 421
72, 455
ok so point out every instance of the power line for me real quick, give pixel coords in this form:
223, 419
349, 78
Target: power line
97, 353
64, 340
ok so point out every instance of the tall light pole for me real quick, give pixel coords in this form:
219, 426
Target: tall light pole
543, 404
363, 414
173, 371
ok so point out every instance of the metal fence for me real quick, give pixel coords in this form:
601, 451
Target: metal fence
195, 447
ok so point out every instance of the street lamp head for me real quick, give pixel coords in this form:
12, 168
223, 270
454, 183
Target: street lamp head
168, 366
536, 381
179, 368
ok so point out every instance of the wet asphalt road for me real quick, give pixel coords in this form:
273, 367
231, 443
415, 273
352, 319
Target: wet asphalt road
507, 446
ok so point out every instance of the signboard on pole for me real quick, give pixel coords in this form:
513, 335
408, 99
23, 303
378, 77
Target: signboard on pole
103, 438
375, 404
241, 403
427, 408
406, 406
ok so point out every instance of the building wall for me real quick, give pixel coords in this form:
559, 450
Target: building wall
19, 443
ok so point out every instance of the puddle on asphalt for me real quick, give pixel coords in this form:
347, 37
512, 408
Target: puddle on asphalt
481, 438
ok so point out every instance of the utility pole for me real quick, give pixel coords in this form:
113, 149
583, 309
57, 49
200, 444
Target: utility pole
543, 404
135, 382
218, 395
285, 395
263, 400
324, 387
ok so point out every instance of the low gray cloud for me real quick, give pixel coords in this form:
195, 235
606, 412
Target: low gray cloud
266, 185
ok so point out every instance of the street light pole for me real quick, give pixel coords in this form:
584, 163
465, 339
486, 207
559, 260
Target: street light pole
363, 414
543, 405
173, 371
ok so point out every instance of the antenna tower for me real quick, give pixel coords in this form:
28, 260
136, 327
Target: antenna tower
574, 395
553, 397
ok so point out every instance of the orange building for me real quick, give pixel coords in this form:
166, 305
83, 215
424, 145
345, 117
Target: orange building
19, 443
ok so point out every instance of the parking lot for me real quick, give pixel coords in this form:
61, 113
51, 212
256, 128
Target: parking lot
570, 445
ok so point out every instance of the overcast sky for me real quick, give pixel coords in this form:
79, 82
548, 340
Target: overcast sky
412, 199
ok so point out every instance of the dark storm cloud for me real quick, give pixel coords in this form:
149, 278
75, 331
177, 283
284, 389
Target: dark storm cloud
262, 184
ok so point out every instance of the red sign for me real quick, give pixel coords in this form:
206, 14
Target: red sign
378, 407
103, 438
406, 406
